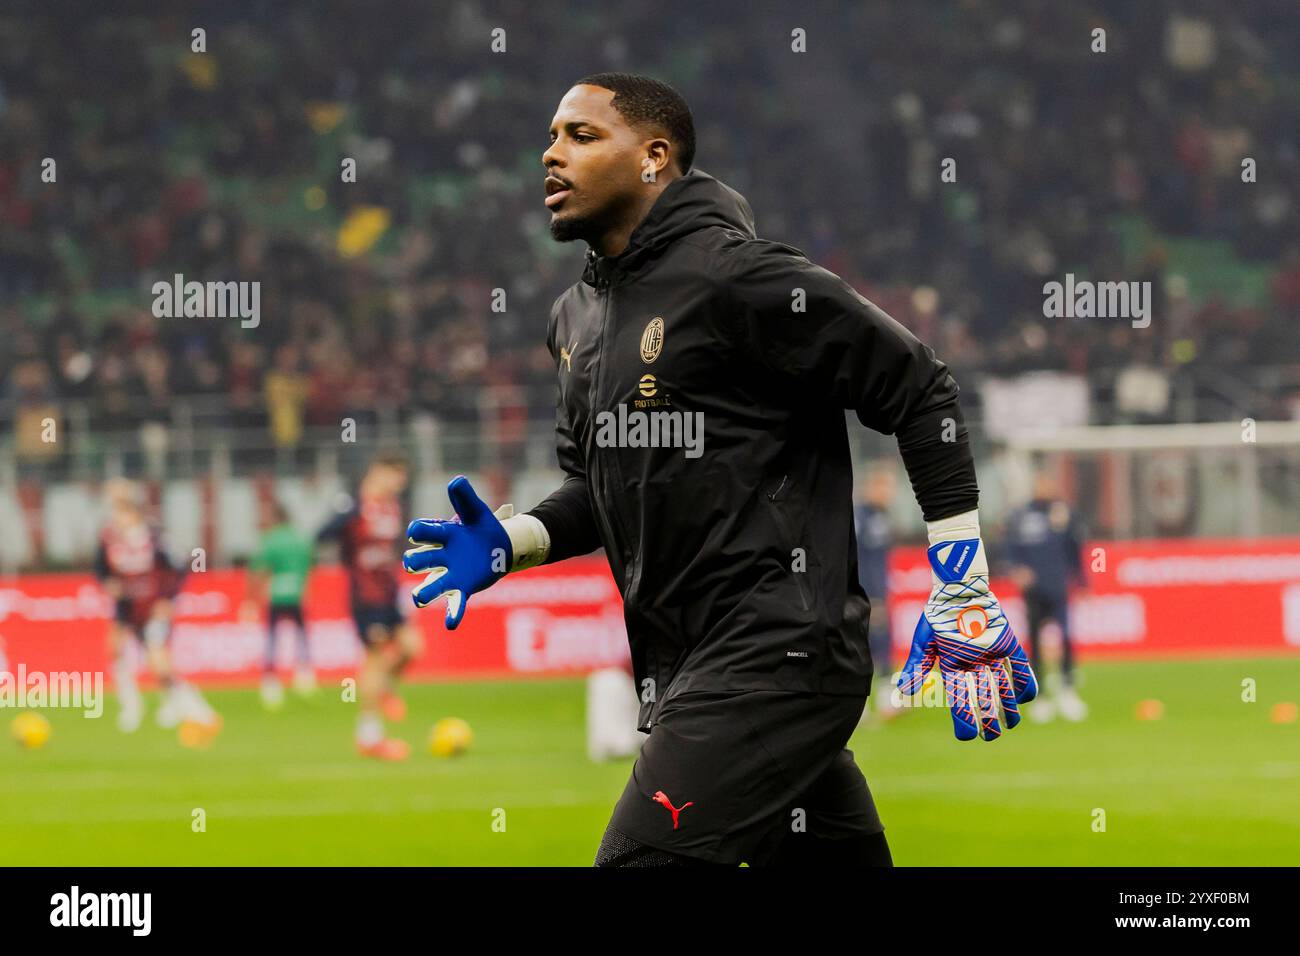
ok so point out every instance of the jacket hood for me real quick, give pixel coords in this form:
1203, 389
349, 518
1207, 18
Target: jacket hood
689, 203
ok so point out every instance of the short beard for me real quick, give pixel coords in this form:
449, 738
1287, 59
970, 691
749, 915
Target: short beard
568, 229
590, 226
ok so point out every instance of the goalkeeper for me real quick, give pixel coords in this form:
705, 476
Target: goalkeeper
733, 546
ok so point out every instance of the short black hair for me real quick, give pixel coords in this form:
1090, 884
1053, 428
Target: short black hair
644, 101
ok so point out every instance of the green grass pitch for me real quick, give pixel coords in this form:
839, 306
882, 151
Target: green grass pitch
1213, 783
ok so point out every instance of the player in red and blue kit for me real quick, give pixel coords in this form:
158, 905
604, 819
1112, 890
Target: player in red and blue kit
371, 538
137, 574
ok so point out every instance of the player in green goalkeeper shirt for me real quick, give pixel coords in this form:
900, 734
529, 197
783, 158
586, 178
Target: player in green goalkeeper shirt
277, 578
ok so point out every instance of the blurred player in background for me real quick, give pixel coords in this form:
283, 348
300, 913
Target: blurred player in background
1043, 546
276, 580
370, 536
874, 535
138, 575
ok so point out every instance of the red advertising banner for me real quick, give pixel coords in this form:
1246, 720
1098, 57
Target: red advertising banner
562, 619
1153, 598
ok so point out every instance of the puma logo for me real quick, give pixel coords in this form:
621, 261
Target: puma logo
567, 357
661, 797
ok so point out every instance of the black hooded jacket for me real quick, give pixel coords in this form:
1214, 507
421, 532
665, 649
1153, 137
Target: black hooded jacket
736, 557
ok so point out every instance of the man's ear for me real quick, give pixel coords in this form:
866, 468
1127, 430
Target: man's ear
657, 160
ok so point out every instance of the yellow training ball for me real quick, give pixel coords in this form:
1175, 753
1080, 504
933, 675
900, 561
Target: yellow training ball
31, 730
449, 737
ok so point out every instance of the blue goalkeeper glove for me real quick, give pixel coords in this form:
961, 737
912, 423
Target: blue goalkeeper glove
963, 628
472, 551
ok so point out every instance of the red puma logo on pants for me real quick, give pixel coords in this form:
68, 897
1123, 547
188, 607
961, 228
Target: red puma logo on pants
661, 797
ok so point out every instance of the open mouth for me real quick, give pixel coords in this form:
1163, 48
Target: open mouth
557, 190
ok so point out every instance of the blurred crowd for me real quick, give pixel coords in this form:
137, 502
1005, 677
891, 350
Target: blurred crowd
377, 295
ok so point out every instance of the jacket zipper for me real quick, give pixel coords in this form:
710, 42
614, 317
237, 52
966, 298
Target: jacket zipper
614, 498
632, 565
